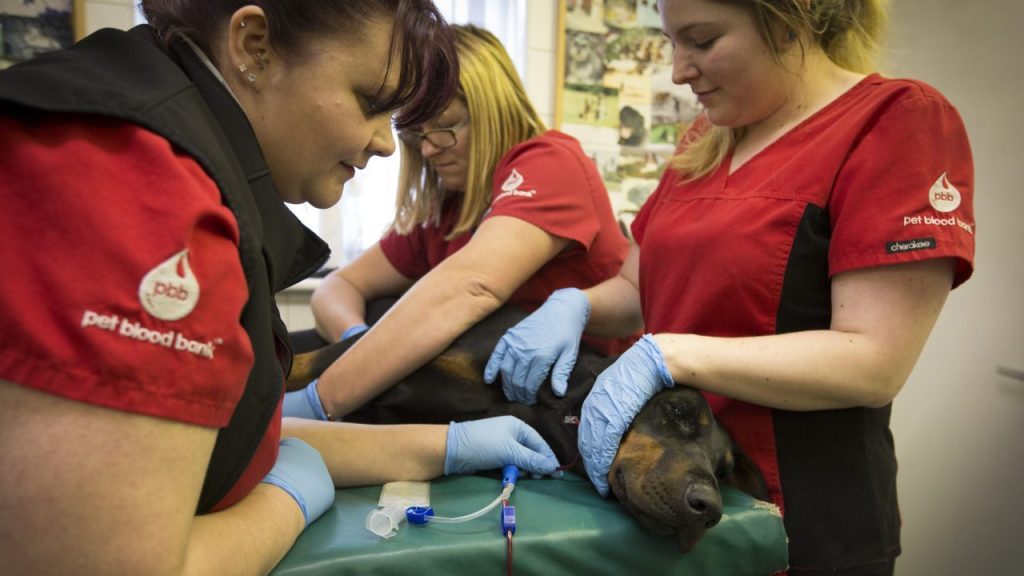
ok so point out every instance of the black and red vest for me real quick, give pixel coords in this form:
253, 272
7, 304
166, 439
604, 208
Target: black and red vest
131, 76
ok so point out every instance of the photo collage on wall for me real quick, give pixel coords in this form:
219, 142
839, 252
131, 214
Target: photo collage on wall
31, 27
617, 95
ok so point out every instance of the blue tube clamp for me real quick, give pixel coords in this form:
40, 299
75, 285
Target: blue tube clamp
418, 514
508, 519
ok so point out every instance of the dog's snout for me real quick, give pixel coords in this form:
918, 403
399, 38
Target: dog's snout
704, 503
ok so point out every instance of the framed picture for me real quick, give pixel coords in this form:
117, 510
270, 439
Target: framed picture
615, 94
31, 27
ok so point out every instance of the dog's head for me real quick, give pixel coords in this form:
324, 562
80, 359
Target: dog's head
671, 462
581, 47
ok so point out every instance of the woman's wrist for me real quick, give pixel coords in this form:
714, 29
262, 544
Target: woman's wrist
674, 351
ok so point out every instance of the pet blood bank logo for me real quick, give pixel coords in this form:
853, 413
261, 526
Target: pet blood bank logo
510, 187
943, 196
514, 180
170, 291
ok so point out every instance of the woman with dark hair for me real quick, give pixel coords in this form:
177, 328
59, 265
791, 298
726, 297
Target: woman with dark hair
142, 356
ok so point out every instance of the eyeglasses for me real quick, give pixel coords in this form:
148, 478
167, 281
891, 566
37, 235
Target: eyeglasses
440, 138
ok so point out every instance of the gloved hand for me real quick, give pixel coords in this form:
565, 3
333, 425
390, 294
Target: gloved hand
496, 442
304, 403
618, 395
352, 331
549, 336
301, 472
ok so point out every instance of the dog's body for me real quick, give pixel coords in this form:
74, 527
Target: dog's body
668, 466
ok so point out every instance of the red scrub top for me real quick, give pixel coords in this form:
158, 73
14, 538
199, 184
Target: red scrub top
549, 182
883, 175
122, 284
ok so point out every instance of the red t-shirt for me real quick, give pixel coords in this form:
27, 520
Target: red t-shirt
122, 285
549, 182
890, 163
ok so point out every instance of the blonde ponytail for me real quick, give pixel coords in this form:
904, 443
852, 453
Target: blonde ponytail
849, 32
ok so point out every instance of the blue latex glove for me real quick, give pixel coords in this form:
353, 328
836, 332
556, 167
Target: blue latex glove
301, 472
618, 395
304, 403
494, 443
353, 330
548, 337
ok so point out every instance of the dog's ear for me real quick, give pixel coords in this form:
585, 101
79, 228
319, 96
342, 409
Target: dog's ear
733, 467
745, 475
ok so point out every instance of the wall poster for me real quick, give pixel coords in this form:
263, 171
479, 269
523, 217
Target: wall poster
615, 94
31, 27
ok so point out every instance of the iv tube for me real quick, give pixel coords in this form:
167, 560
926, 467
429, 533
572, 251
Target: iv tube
505, 492
421, 515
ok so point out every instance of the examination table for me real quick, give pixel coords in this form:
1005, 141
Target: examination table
562, 527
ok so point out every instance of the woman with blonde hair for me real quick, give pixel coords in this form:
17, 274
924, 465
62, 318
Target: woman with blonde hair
492, 208
791, 264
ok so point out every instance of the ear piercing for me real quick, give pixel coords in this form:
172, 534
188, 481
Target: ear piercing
260, 61
250, 76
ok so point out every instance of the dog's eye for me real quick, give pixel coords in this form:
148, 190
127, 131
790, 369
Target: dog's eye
724, 467
680, 419
671, 412
687, 429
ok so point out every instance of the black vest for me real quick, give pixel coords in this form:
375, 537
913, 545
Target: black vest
129, 76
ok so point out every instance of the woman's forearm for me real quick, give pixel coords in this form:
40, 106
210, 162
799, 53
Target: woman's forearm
340, 301
424, 322
881, 319
337, 305
248, 538
814, 370
615, 310
459, 292
362, 455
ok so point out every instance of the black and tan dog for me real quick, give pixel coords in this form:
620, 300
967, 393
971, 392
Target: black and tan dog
669, 464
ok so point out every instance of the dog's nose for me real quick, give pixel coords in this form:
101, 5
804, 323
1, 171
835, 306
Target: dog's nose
704, 503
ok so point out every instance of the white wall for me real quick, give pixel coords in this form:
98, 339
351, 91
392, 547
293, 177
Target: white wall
108, 14
958, 424
541, 40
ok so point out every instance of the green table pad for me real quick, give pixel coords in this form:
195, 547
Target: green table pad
562, 526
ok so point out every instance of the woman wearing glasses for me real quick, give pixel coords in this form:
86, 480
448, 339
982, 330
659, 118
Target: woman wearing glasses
492, 208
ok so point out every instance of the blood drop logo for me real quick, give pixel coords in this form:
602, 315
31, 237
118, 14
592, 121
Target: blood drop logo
170, 291
943, 196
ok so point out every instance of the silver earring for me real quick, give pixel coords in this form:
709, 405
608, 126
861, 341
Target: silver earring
251, 77
242, 25
242, 68
259, 56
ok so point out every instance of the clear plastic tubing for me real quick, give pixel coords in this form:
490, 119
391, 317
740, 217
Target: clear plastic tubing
420, 515
505, 492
